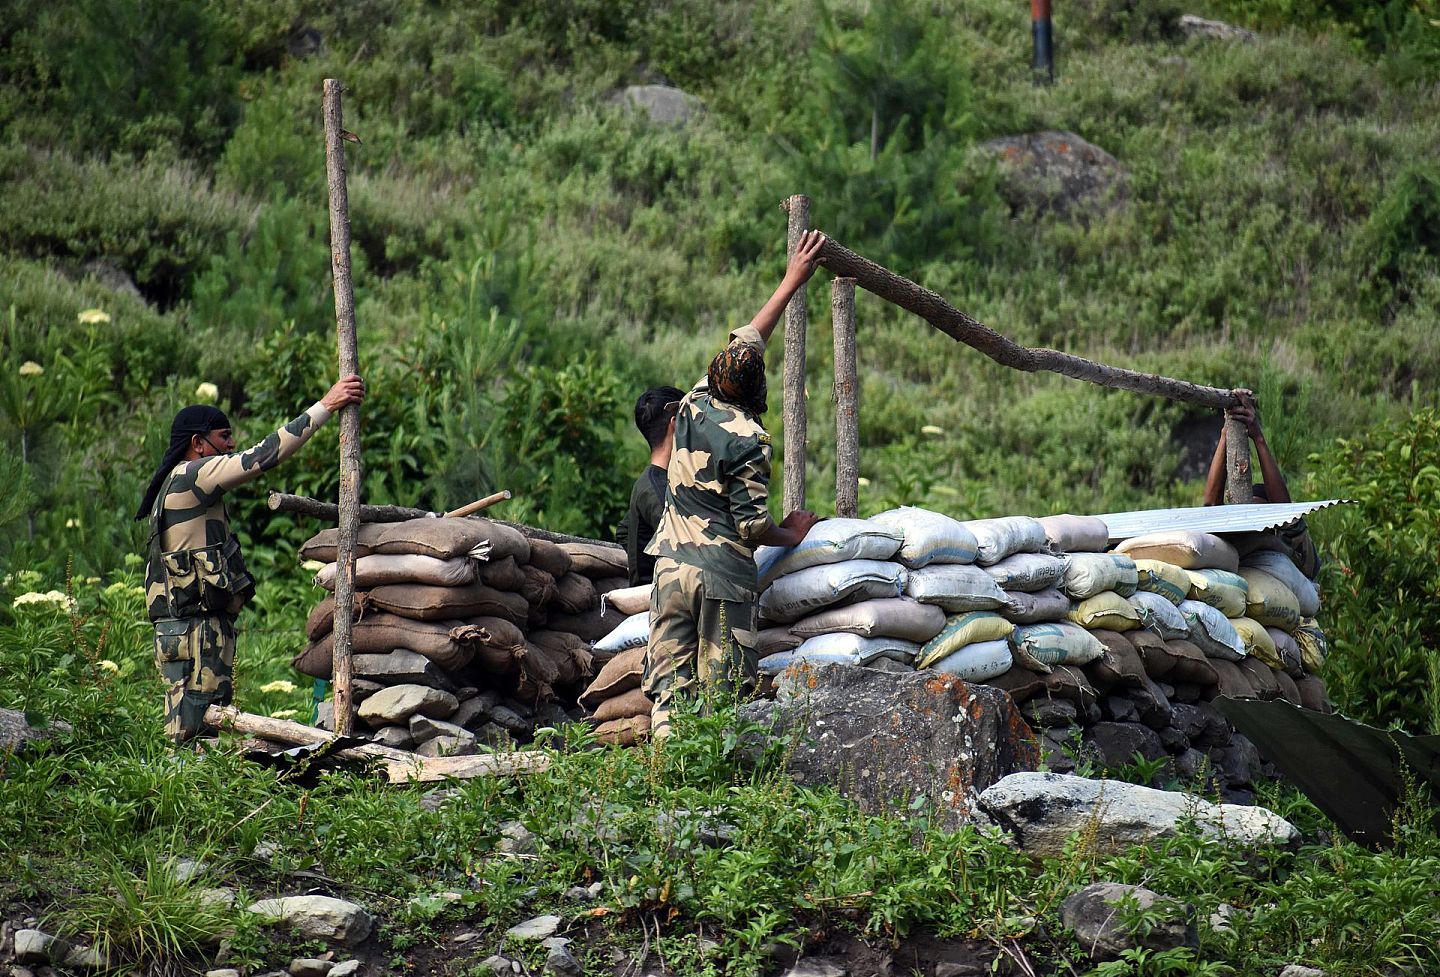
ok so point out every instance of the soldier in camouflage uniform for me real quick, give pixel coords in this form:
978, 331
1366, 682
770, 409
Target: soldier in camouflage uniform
195, 577
702, 607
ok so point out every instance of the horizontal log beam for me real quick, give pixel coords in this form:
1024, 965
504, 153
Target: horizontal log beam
881, 281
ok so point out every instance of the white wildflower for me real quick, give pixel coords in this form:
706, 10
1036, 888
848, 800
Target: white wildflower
863, 482
90, 581
932, 430
283, 714
91, 317
314, 566
279, 685
49, 597
207, 392
72, 523
107, 665
31, 369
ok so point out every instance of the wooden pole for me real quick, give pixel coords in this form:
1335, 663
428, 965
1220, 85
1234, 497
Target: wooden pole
929, 306
477, 505
1239, 486
400, 767
847, 413
797, 320
349, 416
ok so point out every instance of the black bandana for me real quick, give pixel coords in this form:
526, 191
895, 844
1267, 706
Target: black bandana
737, 376
195, 419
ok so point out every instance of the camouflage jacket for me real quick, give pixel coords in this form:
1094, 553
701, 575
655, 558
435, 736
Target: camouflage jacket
194, 565
717, 490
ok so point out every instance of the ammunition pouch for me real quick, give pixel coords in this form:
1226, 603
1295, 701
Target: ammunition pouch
176, 640
208, 580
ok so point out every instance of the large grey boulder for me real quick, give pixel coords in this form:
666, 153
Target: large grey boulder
394, 706
1213, 30
1042, 810
885, 739
663, 105
1057, 172
319, 917
1098, 917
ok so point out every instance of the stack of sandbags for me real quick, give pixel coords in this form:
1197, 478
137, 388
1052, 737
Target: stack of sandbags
466, 607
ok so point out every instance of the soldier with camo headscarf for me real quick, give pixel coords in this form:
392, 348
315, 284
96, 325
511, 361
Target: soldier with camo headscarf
195, 577
702, 606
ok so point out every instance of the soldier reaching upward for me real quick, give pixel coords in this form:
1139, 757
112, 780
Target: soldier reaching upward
702, 607
195, 577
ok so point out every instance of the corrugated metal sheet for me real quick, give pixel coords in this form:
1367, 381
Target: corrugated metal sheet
1211, 518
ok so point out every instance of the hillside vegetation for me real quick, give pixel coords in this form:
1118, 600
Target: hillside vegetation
529, 254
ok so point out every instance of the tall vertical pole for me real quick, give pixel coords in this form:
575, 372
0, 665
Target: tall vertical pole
1239, 488
797, 320
350, 415
1040, 27
847, 392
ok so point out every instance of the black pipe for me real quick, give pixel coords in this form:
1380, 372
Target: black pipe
1044, 39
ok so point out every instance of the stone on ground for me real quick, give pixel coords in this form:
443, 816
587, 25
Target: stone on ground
319, 917
1097, 915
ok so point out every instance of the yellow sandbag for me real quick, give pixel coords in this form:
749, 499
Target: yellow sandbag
1222, 590
1258, 641
1313, 646
961, 630
1165, 579
1106, 611
1271, 601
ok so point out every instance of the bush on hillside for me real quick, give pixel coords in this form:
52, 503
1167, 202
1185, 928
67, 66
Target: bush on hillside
1383, 574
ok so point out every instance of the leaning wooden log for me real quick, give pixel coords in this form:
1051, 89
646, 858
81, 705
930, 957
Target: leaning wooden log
797, 320
400, 767
478, 504
304, 506
929, 306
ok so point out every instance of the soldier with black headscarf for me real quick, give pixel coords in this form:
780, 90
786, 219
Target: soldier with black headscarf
195, 577
702, 606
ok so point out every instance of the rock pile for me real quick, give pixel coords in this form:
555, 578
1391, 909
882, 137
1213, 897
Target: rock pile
466, 631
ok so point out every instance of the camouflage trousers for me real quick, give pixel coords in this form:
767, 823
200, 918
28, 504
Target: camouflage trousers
196, 658
701, 641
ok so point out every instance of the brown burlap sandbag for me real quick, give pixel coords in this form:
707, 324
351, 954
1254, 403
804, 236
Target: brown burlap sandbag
1156, 657
426, 603
1191, 664
1231, 681
325, 544
538, 588
539, 671
596, 559
575, 594
603, 585
504, 574
378, 569
548, 556
449, 644
589, 625
620, 674
624, 732
573, 657
1020, 682
1069, 682
769, 641
499, 652
632, 703
1312, 693
1120, 665
1261, 676
453, 537
1289, 691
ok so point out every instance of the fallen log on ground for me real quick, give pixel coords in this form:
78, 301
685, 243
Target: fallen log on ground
400, 767
16, 732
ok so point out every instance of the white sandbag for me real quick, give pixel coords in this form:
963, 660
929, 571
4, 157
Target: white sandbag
998, 538
1033, 608
1027, 571
626, 600
632, 632
803, 592
1088, 574
1282, 568
1221, 589
1075, 534
1159, 615
1212, 631
829, 541
928, 537
378, 569
891, 617
843, 649
954, 587
1184, 548
1050, 644
978, 662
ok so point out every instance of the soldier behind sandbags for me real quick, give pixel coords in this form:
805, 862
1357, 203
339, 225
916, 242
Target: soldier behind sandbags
655, 417
702, 607
195, 577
